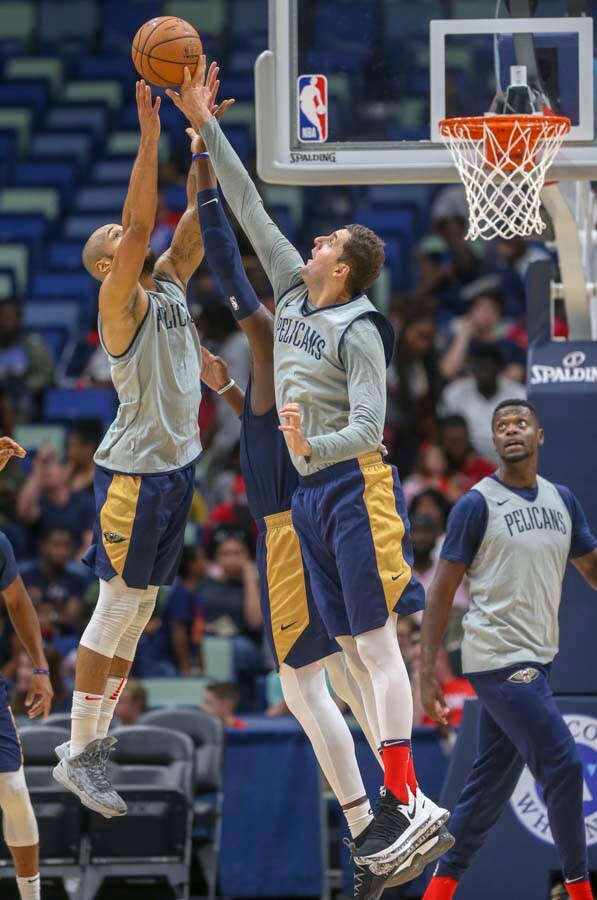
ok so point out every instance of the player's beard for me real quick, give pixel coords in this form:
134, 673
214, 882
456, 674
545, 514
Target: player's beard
149, 263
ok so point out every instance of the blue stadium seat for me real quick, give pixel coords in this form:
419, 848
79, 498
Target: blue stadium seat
106, 199
57, 314
176, 198
241, 87
23, 229
61, 27
112, 67
8, 150
66, 255
112, 171
55, 174
24, 92
64, 285
351, 27
81, 227
63, 144
248, 21
121, 21
98, 403
90, 117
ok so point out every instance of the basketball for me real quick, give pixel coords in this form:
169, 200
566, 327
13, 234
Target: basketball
163, 47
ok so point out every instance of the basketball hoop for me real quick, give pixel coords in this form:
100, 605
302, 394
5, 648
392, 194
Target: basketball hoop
503, 161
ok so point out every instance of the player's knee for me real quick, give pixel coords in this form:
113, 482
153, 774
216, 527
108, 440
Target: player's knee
302, 687
127, 646
18, 818
118, 609
335, 665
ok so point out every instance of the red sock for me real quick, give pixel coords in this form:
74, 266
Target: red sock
411, 778
440, 889
580, 890
395, 764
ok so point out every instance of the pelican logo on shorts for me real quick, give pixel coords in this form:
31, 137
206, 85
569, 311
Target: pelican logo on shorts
112, 537
312, 108
527, 800
524, 676
234, 304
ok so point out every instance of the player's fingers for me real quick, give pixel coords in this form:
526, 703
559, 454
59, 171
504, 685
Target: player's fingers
158, 103
292, 406
193, 134
201, 69
174, 97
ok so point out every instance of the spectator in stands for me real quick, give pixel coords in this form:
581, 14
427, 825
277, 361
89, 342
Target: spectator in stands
231, 595
431, 471
464, 463
234, 511
413, 389
432, 503
475, 396
183, 619
82, 443
221, 700
26, 364
132, 703
514, 257
23, 676
436, 279
483, 324
425, 535
46, 500
55, 586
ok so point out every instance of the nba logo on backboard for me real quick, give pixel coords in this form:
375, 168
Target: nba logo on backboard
312, 102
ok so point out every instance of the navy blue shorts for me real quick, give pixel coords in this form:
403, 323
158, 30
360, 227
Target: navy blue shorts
355, 537
294, 629
140, 525
11, 756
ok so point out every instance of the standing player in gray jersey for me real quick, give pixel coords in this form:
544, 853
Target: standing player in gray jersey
331, 347
513, 534
144, 479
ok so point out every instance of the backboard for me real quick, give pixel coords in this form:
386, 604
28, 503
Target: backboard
352, 91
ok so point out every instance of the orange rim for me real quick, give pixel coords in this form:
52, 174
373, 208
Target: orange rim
501, 126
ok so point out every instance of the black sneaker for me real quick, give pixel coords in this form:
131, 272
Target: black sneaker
434, 847
396, 832
367, 886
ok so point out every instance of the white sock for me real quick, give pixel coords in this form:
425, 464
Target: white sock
29, 888
84, 717
358, 817
114, 688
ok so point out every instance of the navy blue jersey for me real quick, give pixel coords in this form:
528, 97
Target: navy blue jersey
270, 478
8, 564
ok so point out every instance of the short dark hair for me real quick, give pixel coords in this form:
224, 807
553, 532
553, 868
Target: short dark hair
364, 252
224, 690
50, 530
478, 351
189, 555
89, 431
515, 402
454, 420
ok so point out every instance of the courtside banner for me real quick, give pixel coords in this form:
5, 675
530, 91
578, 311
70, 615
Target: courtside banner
563, 367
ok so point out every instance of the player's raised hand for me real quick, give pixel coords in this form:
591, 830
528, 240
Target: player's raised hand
8, 449
433, 700
293, 430
214, 370
39, 697
149, 112
196, 98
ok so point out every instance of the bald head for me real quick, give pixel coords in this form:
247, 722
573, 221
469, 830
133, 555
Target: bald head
98, 252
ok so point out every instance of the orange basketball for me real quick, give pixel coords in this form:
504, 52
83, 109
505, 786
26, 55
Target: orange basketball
163, 47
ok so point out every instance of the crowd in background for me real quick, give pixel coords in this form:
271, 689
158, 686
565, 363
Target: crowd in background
460, 349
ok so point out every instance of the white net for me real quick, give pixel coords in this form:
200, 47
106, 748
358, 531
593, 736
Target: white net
502, 161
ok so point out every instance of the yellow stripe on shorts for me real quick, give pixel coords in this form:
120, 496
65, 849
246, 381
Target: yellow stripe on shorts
117, 518
286, 583
387, 527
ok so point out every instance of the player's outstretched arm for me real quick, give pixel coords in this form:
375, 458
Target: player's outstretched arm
440, 597
281, 261
121, 297
185, 253
224, 259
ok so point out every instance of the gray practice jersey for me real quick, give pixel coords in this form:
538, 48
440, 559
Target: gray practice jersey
158, 381
331, 360
516, 544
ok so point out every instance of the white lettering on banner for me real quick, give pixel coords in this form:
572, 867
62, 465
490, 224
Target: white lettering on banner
330, 156
559, 375
527, 800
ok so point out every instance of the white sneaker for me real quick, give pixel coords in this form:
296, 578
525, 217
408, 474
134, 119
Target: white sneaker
397, 830
85, 775
438, 815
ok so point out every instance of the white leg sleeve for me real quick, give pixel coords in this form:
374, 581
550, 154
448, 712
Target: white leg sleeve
308, 698
18, 819
127, 646
380, 652
361, 676
347, 688
117, 608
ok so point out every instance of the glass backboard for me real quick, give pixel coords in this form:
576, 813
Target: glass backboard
352, 91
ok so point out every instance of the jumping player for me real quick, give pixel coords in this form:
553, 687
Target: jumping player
330, 351
512, 534
18, 818
145, 466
